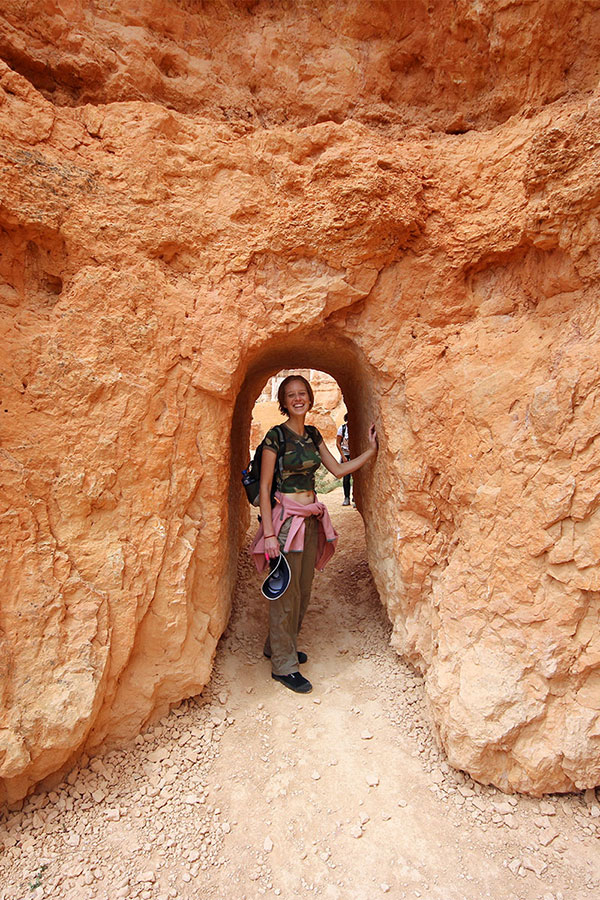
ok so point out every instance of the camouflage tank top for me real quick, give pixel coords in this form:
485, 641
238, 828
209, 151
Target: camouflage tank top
301, 459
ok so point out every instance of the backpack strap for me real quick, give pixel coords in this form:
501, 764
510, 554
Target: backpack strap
280, 453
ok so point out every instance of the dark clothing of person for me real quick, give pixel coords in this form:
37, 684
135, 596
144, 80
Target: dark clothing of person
347, 480
287, 612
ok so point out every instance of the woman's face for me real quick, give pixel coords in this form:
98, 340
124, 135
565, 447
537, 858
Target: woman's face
297, 400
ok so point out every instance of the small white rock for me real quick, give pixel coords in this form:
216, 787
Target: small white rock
466, 790
514, 865
159, 754
534, 865
503, 807
547, 836
268, 844
148, 877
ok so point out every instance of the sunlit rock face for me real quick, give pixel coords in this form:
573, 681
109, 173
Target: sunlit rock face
193, 198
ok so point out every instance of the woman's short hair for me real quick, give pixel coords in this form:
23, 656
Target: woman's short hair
281, 392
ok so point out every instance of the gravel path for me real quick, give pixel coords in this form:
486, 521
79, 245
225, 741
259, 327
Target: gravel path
251, 790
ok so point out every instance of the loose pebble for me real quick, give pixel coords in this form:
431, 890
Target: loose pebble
148, 876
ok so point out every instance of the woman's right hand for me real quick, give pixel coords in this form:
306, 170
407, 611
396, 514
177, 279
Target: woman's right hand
272, 547
373, 439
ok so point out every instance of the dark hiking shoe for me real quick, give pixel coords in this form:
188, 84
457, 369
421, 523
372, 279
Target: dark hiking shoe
295, 682
302, 657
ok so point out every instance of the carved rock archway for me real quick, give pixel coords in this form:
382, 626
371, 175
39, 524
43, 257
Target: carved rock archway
434, 248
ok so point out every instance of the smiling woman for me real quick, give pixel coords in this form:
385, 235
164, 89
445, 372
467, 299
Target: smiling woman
298, 525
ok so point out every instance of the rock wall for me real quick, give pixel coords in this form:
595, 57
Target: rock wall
196, 195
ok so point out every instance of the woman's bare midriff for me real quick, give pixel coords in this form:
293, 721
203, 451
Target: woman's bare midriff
304, 498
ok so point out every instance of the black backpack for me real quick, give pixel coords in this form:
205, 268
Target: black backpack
251, 475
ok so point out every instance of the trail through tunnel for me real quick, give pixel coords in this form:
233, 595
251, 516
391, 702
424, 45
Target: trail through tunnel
324, 351
347, 387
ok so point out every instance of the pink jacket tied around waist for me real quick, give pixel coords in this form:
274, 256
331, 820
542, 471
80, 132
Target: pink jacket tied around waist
285, 508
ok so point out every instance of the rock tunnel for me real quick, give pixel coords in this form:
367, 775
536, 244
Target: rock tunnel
325, 350
422, 226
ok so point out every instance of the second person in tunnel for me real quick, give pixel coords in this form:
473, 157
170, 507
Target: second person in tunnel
298, 525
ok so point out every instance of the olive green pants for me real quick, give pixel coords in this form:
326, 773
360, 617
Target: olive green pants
287, 612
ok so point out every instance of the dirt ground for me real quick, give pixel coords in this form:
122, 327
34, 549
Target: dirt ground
250, 790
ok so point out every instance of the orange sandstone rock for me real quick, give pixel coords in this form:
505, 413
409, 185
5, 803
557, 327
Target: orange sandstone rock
191, 201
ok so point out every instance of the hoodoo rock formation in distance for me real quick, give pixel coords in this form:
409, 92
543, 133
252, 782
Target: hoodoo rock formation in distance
195, 195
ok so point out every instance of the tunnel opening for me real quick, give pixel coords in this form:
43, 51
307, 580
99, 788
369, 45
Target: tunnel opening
325, 351
341, 360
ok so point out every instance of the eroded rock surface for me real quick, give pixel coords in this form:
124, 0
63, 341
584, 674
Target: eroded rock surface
193, 198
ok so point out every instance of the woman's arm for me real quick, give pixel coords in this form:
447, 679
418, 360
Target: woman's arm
267, 471
352, 465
